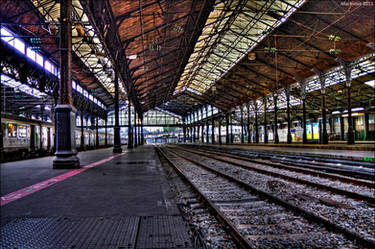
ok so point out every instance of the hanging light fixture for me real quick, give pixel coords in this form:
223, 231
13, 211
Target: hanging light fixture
251, 56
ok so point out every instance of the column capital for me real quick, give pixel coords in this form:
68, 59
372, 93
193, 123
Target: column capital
302, 84
287, 90
347, 66
275, 94
322, 79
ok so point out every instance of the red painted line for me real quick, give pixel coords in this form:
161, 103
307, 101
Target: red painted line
47, 183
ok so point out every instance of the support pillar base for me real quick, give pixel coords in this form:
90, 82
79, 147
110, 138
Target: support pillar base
117, 149
351, 139
68, 160
66, 154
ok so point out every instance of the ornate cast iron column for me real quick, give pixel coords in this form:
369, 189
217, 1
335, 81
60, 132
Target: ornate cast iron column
275, 133
289, 134
322, 80
130, 135
256, 122
265, 120
303, 98
117, 139
66, 153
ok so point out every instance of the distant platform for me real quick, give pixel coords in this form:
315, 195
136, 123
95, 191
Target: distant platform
357, 152
113, 201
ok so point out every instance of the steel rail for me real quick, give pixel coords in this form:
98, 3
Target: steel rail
280, 165
319, 161
357, 196
357, 238
240, 240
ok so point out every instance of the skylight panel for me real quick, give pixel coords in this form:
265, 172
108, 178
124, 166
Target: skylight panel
6, 35
39, 59
31, 54
48, 66
19, 45
74, 85
79, 88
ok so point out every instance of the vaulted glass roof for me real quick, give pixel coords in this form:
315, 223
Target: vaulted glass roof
232, 30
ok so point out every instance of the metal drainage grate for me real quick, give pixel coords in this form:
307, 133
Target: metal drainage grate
95, 232
163, 232
52, 233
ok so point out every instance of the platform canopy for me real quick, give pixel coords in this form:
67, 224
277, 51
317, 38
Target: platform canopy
182, 54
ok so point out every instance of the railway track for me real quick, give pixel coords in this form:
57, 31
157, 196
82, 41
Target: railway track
360, 170
253, 214
331, 182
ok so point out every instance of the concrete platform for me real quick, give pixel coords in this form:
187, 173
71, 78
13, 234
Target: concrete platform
122, 202
359, 152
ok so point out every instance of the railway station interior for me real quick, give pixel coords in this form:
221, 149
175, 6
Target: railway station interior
191, 124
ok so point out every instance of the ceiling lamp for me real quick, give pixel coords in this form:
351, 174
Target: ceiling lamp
251, 56
131, 57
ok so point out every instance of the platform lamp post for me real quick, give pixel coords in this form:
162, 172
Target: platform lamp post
289, 134
248, 123
242, 132
82, 132
302, 84
135, 129
66, 153
219, 121
275, 133
227, 128
207, 125
106, 131
97, 132
231, 127
198, 130
202, 124
139, 129
322, 79
142, 135
183, 128
41, 130
256, 122
348, 78
130, 135
265, 120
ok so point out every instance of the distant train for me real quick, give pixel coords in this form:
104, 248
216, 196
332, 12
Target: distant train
17, 135
18, 141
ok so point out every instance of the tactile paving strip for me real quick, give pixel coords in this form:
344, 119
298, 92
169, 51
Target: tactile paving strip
95, 233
